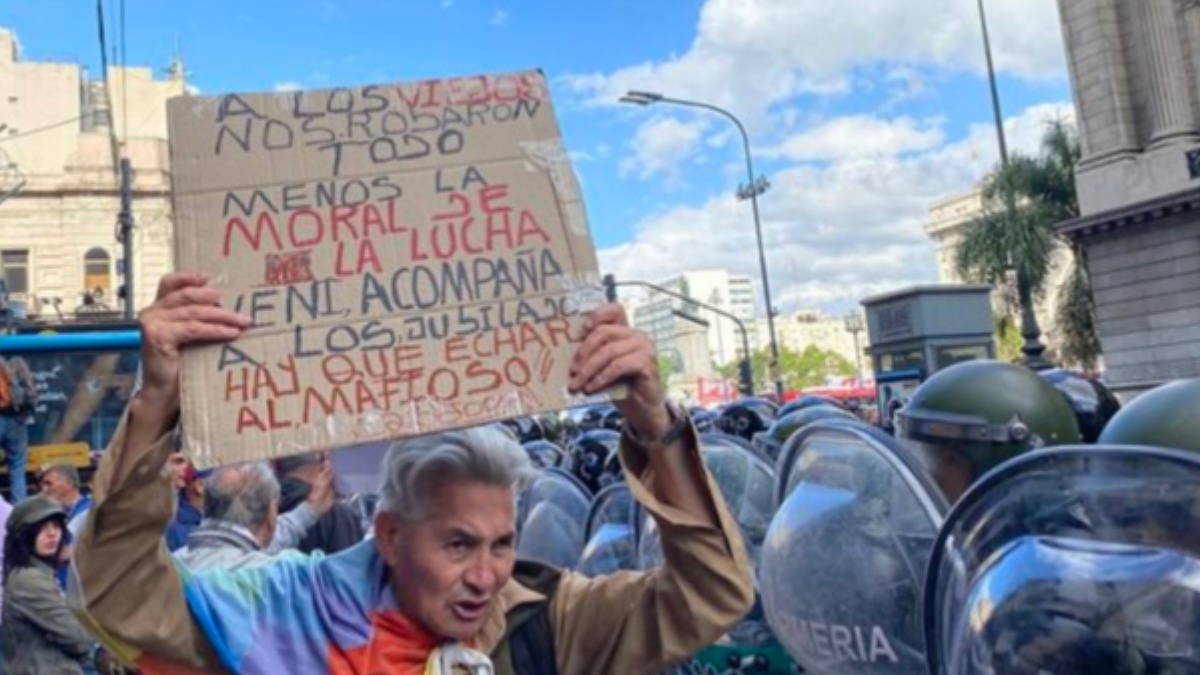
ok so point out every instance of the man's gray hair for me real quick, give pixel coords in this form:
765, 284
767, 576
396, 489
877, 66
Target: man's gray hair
241, 494
68, 473
414, 467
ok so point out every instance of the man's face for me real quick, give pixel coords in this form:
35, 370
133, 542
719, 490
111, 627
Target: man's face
58, 488
450, 566
177, 465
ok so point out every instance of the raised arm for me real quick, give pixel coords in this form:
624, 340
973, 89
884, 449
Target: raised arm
124, 586
643, 621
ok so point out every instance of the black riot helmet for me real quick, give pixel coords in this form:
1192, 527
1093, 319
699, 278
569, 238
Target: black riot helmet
1093, 402
1072, 560
525, 429
746, 418
973, 416
593, 454
772, 440
613, 420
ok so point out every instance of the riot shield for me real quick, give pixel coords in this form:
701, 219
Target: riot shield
843, 563
1071, 560
551, 517
610, 546
545, 454
745, 481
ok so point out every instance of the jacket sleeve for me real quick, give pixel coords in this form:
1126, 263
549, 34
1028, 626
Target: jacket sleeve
36, 598
292, 527
633, 622
124, 587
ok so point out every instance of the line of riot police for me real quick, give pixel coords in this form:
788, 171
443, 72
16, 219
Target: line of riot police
1016, 523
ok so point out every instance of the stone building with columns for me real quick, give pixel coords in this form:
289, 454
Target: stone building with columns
1135, 76
61, 133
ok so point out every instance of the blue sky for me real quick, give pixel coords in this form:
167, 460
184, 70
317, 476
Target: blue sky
861, 112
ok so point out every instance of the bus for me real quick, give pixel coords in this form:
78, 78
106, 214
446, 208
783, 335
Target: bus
84, 377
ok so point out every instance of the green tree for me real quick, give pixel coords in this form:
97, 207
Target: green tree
1008, 337
1024, 237
666, 368
799, 370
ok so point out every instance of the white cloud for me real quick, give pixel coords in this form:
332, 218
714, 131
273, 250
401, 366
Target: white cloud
289, 85
660, 146
751, 54
834, 233
500, 17
860, 136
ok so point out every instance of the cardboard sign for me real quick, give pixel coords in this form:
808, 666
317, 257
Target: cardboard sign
415, 257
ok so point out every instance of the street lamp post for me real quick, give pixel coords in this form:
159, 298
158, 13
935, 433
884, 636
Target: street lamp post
751, 190
745, 371
1033, 349
854, 326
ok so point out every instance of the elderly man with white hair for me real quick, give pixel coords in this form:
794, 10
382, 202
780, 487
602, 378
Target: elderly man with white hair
439, 588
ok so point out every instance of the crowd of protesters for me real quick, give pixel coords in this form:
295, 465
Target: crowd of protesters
232, 517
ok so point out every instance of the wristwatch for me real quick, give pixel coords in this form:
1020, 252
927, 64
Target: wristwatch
680, 421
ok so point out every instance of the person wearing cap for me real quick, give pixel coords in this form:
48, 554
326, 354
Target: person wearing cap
438, 589
189, 486
338, 528
38, 633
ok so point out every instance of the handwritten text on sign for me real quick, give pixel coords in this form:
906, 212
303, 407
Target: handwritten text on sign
414, 257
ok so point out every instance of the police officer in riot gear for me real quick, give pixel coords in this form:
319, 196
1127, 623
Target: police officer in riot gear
771, 441
972, 416
1073, 560
1093, 402
746, 418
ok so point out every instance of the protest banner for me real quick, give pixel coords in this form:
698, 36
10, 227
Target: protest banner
415, 257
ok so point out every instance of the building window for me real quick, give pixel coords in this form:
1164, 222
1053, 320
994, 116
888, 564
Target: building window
14, 265
97, 271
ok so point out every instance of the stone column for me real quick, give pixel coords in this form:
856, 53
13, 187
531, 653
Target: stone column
1191, 17
1171, 116
1099, 79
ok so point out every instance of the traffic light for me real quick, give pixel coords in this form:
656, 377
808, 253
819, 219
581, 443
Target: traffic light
745, 378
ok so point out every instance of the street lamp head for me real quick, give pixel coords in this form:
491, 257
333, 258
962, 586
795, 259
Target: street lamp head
648, 95
854, 322
641, 97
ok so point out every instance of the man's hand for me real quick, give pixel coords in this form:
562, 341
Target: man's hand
612, 352
321, 496
185, 312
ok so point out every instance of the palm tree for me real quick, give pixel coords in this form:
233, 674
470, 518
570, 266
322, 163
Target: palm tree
1024, 238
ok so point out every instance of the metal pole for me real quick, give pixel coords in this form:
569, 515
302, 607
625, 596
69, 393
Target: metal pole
125, 222
610, 284
1033, 349
753, 189
858, 371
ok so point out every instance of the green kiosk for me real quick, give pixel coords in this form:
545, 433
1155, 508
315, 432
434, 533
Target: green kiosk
917, 331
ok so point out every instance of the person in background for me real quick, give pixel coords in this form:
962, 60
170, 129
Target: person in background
61, 482
38, 633
5, 511
189, 487
18, 397
339, 528
241, 512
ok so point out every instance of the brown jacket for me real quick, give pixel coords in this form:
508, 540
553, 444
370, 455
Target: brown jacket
127, 590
